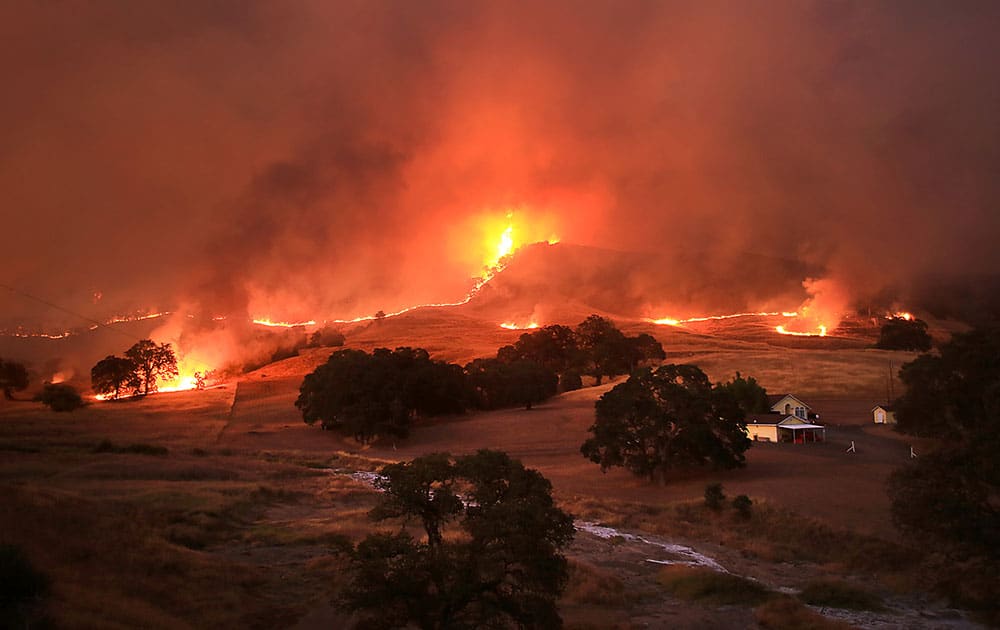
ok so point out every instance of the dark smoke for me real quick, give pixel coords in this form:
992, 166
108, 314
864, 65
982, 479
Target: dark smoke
312, 159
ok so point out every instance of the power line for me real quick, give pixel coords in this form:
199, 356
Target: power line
66, 310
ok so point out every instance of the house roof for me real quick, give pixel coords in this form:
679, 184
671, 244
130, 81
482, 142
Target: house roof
774, 399
766, 419
777, 419
884, 407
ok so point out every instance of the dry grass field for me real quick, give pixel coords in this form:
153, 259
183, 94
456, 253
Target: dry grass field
222, 508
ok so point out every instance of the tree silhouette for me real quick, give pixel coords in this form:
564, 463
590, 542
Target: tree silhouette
898, 333
13, 378
152, 362
751, 397
378, 394
505, 569
113, 374
497, 383
947, 498
668, 419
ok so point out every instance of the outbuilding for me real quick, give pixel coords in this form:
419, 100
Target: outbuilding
884, 414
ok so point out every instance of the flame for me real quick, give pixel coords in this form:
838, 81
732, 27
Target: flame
60, 377
21, 332
506, 242
821, 332
669, 321
901, 315
512, 326
263, 321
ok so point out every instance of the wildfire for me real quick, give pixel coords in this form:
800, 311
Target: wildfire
902, 315
271, 324
821, 332
512, 326
21, 332
669, 321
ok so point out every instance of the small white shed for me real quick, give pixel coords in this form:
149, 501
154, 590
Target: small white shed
884, 414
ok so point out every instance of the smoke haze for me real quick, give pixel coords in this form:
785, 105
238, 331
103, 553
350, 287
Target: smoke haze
315, 160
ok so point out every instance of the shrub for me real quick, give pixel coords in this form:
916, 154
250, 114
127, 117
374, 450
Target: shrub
742, 504
107, 446
60, 397
839, 595
705, 585
787, 613
570, 381
714, 496
20, 586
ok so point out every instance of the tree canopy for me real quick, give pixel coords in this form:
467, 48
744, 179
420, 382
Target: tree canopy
751, 397
503, 567
496, 383
899, 333
595, 347
554, 347
60, 397
112, 376
13, 378
378, 394
152, 362
948, 498
666, 419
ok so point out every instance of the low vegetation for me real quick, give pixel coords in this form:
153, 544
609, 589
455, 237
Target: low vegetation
839, 594
22, 589
712, 587
60, 397
788, 613
107, 446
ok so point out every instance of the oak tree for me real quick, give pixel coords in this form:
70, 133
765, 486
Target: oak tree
662, 420
502, 567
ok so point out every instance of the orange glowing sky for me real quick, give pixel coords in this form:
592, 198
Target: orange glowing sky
322, 160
